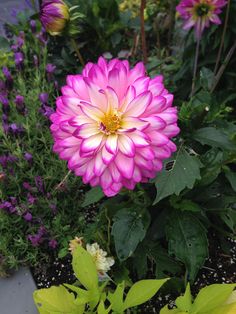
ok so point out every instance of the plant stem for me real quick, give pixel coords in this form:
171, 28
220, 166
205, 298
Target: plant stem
143, 37
76, 48
195, 67
64, 179
222, 68
222, 39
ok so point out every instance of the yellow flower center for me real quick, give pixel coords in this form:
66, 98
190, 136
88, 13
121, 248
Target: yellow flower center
110, 123
202, 9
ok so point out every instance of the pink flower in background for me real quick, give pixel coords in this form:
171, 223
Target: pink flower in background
200, 13
113, 125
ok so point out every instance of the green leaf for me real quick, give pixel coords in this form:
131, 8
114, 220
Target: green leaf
184, 303
184, 171
101, 308
231, 176
206, 78
129, 229
116, 298
187, 241
142, 291
54, 300
93, 196
84, 268
214, 137
211, 297
164, 263
4, 44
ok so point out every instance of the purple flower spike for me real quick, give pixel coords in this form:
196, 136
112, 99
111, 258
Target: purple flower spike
20, 105
39, 184
5, 104
2, 85
27, 186
20, 42
28, 157
16, 129
43, 97
9, 79
53, 244
19, 59
31, 199
33, 26
28, 216
34, 239
50, 68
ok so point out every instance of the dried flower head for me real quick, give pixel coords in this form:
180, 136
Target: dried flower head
102, 262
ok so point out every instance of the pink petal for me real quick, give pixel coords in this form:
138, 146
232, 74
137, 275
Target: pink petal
106, 156
79, 87
97, 76
97, 99
169, 115
106, 179
158, 138
126, 145
138, 106
91, 143
171, 130
139, 138
138, 71
86, 130
99, 165
70, 141
141, 84
147, 153
129, 96
125, 165
112, 99
111, 143
132, 122
89, 174
117, 79
116, 176
91, 111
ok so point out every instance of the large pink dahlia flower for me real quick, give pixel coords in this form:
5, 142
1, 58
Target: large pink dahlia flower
200, 13
113, 125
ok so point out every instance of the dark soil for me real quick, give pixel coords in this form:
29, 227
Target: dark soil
220, 267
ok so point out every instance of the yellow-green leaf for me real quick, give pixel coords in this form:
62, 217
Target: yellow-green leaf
142, 291
212, 297
84, 268
54, 299
184, 303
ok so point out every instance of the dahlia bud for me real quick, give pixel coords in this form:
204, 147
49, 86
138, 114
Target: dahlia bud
54, 15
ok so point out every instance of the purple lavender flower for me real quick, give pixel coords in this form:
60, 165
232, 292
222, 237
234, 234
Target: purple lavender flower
53, 243
20, 42
2, 85
50, 68
5, 127
39, 184
27, 186
43, 97
42, 37
28, 216
3, 161
46, 111
33, 26
35, 239
8, 206
20, 104
53, 208
31, 199
19, 59
28, 157
14, 48
16, 129
9, 79
5, 104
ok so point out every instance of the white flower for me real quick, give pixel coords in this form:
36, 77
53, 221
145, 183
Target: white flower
102, 262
